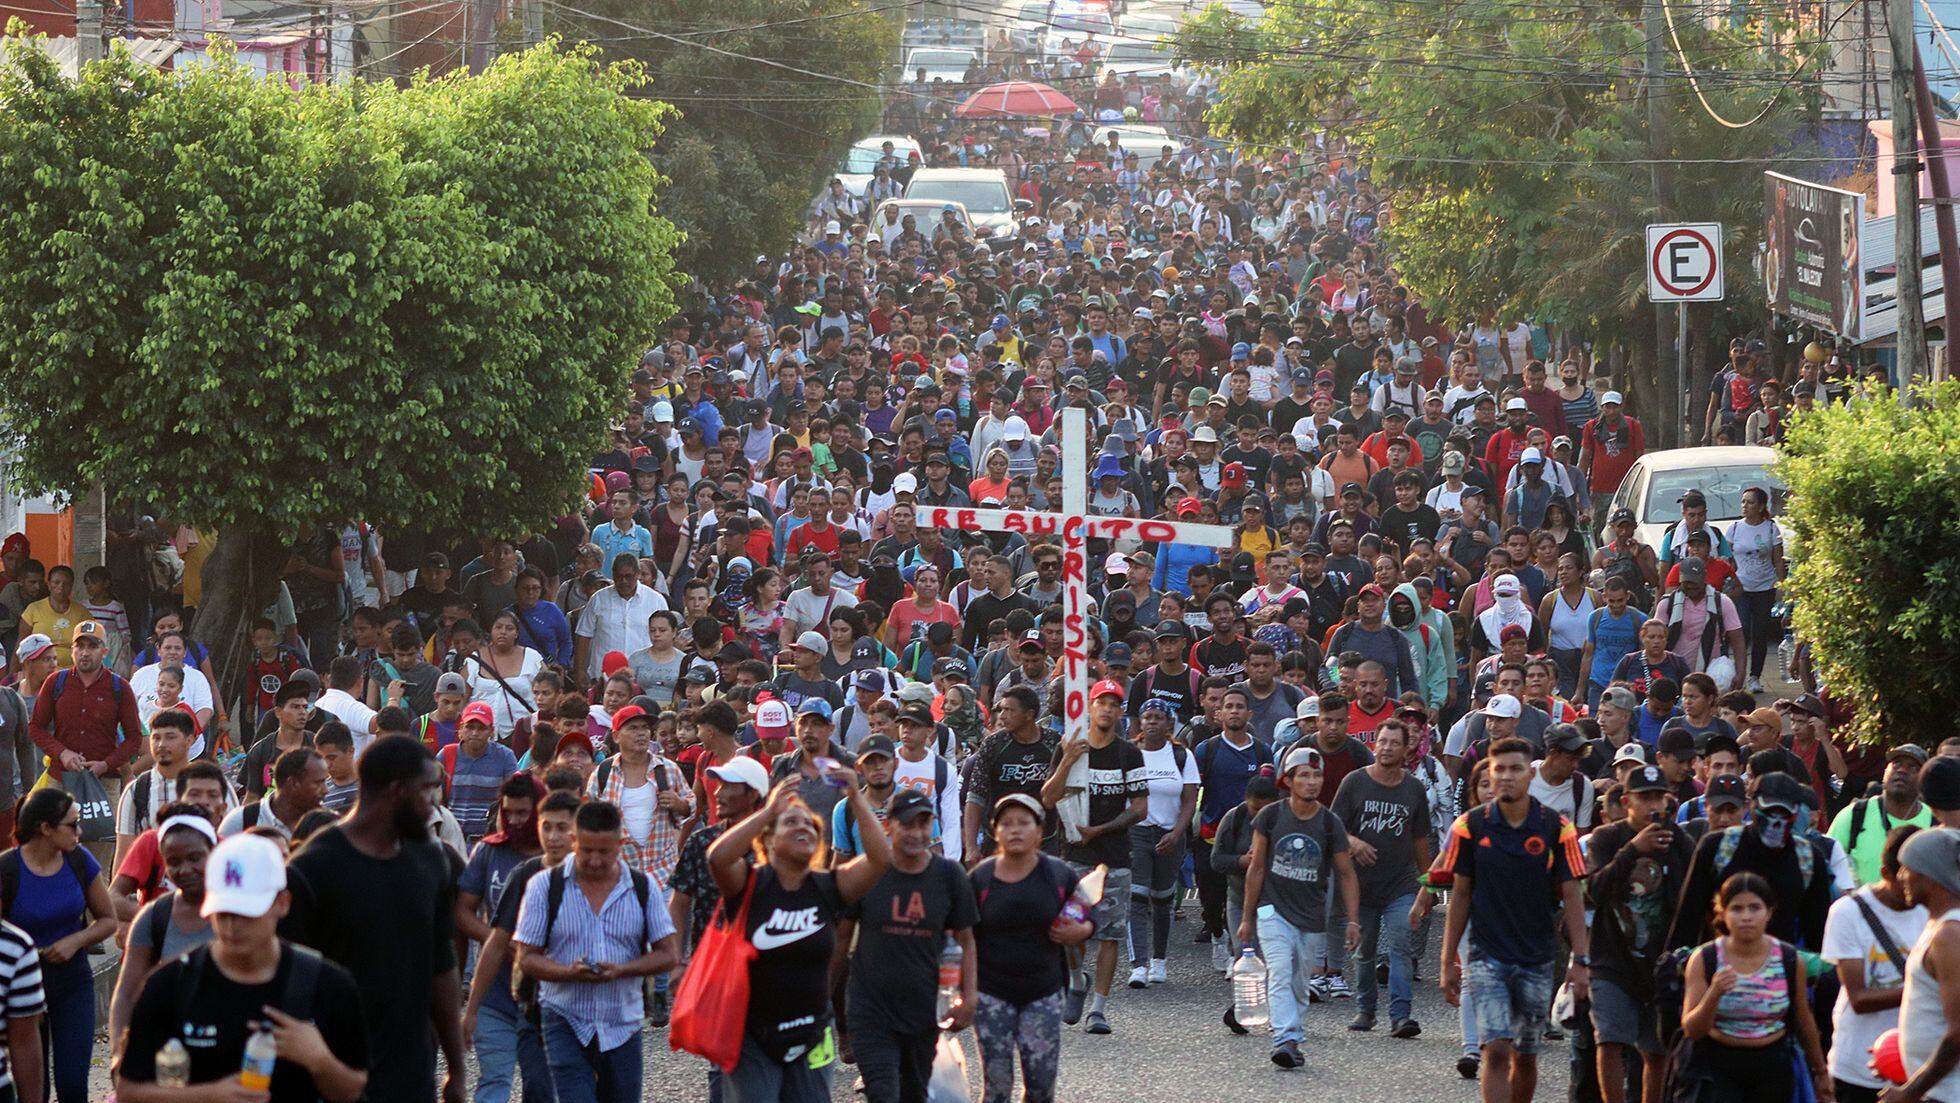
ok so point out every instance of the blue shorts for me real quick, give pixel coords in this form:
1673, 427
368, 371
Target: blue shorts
1508, 1002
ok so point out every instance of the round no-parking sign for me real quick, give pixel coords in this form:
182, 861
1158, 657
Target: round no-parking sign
1684, 262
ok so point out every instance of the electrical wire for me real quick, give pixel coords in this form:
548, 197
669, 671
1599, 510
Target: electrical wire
1667, 10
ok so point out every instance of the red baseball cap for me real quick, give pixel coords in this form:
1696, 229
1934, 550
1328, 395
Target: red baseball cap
1106, 688
630, 712
1233, 475
1190, 505
477, 712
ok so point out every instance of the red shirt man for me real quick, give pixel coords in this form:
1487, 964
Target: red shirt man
1610, 444
79, 712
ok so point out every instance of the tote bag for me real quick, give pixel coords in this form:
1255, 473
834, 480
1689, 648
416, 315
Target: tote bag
711, 1008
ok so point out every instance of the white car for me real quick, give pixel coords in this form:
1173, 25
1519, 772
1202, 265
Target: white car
1654, 484
1129, 57
982, 192
1147, 142
862, 161
942, 63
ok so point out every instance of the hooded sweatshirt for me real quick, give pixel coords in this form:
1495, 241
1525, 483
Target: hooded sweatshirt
1429, 647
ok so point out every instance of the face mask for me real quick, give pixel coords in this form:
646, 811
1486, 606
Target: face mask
1773, 827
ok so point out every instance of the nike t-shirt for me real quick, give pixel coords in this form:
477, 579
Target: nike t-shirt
794, 931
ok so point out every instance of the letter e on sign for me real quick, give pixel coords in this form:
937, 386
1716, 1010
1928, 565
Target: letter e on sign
1684, 262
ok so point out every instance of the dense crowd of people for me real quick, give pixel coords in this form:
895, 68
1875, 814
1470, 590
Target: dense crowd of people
746, 753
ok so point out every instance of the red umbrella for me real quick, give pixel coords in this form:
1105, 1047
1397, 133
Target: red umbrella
1015, 98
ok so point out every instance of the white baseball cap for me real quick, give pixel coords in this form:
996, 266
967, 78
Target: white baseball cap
1611, 398
743, 770
1115, 563
1505, 584
1014, 428
243, 876
905, 483
1504, 706
1309, 709
1531, 455
1516, 404
833, 227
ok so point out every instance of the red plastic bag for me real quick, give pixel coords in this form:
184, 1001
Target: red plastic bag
711, 1008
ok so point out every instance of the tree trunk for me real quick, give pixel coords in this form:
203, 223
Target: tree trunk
241, 578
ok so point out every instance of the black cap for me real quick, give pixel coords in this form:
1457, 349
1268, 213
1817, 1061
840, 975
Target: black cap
1784, 791
876, 745
1173, 630
906, 804
1647, 779
916, 712
1314, 547
1939, 783
949, 667
1726, 789
1677, 743
1565, 737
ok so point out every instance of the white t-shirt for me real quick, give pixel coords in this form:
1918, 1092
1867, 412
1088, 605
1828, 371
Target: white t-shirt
636, 808
508, 704
344, 707
1167, 782
1571, 798
1754, 566
810, 612
143, 683
924, 776
1849, 937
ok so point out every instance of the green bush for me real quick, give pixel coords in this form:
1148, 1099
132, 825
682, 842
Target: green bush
1875, 495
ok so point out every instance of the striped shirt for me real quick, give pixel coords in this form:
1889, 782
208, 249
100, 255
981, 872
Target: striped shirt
20, 979
610, 1010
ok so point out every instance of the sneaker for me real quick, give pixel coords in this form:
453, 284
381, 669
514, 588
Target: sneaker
1232, 1022
1074, 995
1405, 1028
1755, 685
1139, 977
1337, 987
1317, 990
659, 1011
1554, 1034
1221, 957
1363, 1021
1287, 1055
1159, 971
1098, 1023
1205, 936
1466, 1066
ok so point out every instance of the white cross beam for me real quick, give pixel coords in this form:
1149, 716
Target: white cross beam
1076, 527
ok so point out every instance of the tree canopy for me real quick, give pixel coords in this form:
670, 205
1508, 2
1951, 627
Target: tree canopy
1515, 133
1875, 505
755, 139
251, 306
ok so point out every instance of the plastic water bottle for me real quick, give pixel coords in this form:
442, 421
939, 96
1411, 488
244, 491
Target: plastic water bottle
1786, 649
173, 1067
1088, 893
1249, 1005
261, 1053
949, 983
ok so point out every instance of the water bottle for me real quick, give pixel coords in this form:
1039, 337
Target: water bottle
173, 1068
949, 983
1249, 1005
261, 1053
1786, 649
1088, 893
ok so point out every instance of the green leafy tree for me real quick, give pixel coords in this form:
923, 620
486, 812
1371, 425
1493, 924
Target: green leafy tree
1875, 504
250, 308
771, 94
1515, 135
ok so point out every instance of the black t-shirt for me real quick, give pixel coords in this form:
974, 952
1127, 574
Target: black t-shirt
789, 980
1221, 660
220, 1018
1018, 964
1287, 412
1405, 528
1257, 461
391, 922
1179, 689
902, 925
1115, 776
1006, 765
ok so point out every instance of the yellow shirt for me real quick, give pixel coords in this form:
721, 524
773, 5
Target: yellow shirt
59, 627
195, 548
1258, 541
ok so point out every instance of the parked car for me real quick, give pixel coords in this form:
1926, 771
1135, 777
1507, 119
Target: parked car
925, 214
1653, 487
1147, 142
1140, 59
982, 192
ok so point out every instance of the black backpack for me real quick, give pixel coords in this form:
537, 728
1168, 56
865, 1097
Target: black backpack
295, 999
524, 989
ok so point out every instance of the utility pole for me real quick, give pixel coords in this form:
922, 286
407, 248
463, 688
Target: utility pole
533, 21
1670, 370
1907, 253
89, 45
1942, 195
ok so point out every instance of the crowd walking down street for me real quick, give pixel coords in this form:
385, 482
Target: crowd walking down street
867, 731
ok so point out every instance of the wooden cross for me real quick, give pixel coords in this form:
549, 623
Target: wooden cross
1076, 527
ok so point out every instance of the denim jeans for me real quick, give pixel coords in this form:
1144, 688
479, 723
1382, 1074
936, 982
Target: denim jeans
1508, 1002
1401, 989
586, 1073
507, 1042
1290, 954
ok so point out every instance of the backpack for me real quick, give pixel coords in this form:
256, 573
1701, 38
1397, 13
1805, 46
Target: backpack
156, 930
604, 774
295, 999
524, 989
941, 777
1858, 812
76, 860
1732, 838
